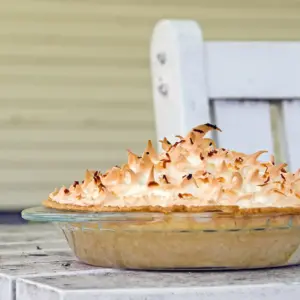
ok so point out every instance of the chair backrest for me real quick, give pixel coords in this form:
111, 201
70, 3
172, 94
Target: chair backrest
249, 89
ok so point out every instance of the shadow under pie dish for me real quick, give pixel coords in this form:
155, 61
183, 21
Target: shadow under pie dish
192, 206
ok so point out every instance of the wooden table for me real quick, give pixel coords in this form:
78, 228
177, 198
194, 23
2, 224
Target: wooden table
36, 264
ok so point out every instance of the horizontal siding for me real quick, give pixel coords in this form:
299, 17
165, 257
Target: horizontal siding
62, 135
67, 94
59, 157
14, 198
72, 118
75, 81
129, 20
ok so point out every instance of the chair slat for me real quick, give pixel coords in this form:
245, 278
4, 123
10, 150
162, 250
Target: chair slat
178, 77
246, 125
291, 117
253, 69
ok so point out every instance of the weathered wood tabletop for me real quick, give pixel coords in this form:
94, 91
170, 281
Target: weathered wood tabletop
36, 263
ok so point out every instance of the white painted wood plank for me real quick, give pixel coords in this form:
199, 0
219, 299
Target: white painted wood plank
50, 267
31, 250
291, 117
24, 258
270, 284
30, 237
246, 126
10, 273
18, 247
253, 69
25, 228
178, 79
37, 256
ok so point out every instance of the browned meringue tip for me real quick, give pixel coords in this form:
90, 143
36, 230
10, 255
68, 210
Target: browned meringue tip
151, 151
188, 180
151, 180
185, 195
145, 161
204, 128
297, 173
277, 169
166, 145
133, 159
125, 167
213, 127
180, 137
125, 173
63, 190
89, 174
164, 179
55, 192
195, 139
272, 159
252, 158
78, 189
195, 136
206, 143
165, 160
113, 175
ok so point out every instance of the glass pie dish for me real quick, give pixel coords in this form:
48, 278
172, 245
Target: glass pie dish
185, 241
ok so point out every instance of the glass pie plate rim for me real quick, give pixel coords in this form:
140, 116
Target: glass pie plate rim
44, 214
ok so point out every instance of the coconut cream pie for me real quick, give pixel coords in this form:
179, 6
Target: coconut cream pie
218, 208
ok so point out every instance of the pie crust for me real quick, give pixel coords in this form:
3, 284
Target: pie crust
235, 210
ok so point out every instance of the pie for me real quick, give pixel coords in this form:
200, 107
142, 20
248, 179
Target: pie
197, 206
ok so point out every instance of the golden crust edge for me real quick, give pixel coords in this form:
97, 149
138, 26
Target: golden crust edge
175, 208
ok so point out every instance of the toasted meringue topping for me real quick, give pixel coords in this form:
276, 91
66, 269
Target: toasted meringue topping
190, 172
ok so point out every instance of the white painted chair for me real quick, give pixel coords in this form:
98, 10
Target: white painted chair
232, 84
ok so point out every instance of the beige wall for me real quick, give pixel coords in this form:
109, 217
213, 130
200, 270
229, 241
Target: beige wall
74, 79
